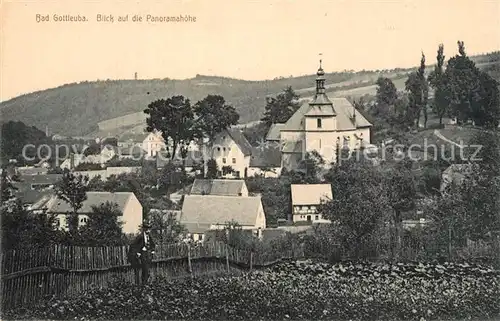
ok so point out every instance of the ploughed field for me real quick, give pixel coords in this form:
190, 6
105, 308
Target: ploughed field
296, 290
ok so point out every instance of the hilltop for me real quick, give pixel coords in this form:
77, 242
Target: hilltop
76, 109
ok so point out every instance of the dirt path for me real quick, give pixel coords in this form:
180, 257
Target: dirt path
440, 136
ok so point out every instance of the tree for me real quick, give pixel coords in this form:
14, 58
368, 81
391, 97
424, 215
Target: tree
276, 196
174, 119
418, 89
280, 108
214, 116
437, 82
15, 136
23, 229
486, 110
226, 170
386, 92
212, 169
462, 85
6, 186
72, 189
310, 166
102, 227
358, 207
165, 227
401, 191
172, 178
425, 91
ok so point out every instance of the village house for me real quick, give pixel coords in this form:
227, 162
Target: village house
127, 202
265, 161
232, 149
306, 199
153, 144
322, 125
201, 213
30, 188
106, 173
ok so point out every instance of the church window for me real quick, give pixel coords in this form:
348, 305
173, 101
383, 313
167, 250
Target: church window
318, 121
224, 160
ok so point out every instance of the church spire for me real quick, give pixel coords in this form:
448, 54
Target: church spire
320, 80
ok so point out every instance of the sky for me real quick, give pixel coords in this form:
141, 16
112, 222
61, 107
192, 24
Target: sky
245, 39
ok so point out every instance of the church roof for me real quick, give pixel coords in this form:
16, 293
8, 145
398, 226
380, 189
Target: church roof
274, 131
342, 108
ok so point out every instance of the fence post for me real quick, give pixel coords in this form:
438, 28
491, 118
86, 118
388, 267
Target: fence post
227, 257
189, 260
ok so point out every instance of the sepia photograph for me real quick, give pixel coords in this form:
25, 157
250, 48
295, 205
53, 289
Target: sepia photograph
250, 160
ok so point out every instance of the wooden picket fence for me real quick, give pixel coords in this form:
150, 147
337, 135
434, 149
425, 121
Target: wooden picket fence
58, 270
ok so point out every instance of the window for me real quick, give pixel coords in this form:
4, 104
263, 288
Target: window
317, 217
234, 160
237, 174
224, 160
218, 149
224, 148
318, 121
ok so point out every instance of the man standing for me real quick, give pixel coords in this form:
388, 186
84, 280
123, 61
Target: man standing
141, 253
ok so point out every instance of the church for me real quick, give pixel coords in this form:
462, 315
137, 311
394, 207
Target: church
322, 125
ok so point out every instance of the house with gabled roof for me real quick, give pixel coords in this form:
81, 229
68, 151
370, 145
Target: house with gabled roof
323, 125
232, 149
266, 161
201, 213
30, 188
306, 199
127, 202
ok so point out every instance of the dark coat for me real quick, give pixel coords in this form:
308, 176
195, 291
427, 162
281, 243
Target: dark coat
137, 247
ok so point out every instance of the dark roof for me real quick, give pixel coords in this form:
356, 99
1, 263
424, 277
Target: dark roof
269, 156
221, 187
240, 140
30, 196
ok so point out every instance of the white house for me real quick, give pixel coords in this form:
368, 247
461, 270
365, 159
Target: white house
322, 125
153, 143
201, 213
231, 148
127, 202
306, 199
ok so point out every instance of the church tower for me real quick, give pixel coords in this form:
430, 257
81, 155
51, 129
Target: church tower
321, 121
